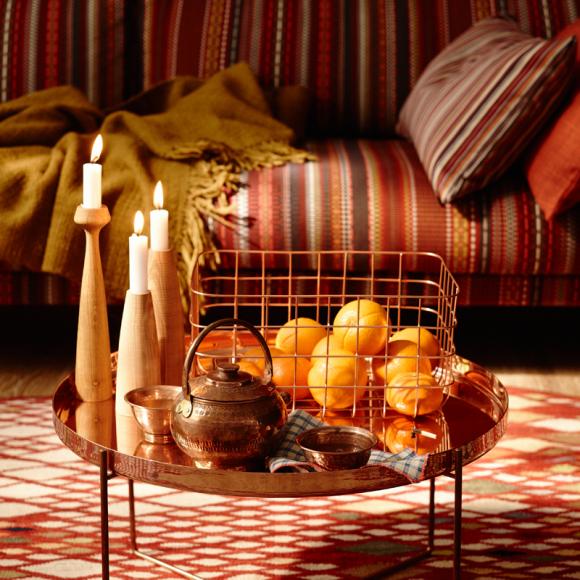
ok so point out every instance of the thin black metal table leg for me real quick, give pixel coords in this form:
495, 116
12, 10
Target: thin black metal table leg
431, 514
104, 515
411, 561
135, 549
458, 514
132, 516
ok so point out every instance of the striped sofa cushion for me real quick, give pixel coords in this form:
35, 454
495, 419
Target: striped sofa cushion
374, 195
359, 58
481, 101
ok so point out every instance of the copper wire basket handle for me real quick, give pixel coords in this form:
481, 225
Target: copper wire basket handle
209, 328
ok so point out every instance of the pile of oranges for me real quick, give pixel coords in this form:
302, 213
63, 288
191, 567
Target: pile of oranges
332, 364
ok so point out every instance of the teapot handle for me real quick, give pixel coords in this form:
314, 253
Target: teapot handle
209, 328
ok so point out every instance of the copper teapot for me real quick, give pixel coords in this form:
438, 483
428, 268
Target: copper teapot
228, 419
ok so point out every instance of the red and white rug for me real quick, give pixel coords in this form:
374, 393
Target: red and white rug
521, 513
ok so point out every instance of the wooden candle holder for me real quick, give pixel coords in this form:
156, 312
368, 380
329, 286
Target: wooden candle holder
169, 319
138, 358
93, 375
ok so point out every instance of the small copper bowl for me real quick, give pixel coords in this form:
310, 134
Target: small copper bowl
337, 447
152, 407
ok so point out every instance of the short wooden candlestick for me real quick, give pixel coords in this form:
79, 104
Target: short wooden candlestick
138, 359
169, 319
93, 375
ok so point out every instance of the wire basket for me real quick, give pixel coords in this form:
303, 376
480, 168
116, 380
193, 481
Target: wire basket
415, 290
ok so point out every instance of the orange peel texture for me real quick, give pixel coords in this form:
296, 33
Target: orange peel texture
362, 326
339, 381
299, 336
404, 357
414, 394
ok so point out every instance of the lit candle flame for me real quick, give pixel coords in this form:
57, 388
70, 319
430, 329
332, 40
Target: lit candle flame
158, 195
138, 223
97, 149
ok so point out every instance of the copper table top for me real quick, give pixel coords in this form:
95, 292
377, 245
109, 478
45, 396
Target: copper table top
475, 413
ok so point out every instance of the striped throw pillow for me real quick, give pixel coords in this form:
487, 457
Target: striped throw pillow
480, 102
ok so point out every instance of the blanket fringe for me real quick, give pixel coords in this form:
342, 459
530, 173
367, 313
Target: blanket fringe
213, 179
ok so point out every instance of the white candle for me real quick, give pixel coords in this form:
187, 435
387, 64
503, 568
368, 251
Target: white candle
159, 219
92, 177
138, 257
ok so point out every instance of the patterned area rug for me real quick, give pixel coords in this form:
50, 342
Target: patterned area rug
521, 513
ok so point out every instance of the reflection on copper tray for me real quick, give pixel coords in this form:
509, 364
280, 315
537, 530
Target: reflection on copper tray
473, 416
422, 434
165, 453
95, 421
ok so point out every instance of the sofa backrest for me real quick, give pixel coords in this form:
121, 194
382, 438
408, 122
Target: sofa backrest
45, 43
359, 58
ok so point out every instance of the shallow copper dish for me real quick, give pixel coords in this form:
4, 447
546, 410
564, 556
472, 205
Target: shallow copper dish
337, 447
151, 407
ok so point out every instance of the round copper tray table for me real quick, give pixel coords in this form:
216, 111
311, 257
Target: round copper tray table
475, 413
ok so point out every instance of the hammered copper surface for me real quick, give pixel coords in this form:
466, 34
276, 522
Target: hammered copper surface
475, 415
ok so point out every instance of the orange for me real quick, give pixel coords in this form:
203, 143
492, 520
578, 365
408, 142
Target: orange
362, 326
325, 346
412, 394
422, 434
256, 356
249, 367
336, 381
299, 335
403, 357
289, 373
426, 340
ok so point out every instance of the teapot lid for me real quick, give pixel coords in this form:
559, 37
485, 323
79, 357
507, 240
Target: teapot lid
227, 384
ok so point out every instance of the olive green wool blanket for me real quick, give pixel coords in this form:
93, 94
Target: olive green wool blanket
196, 137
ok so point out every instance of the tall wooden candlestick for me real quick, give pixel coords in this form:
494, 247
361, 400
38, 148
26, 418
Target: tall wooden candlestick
93, 375
138, 361
169, 319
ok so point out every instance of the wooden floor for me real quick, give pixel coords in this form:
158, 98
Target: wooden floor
37, 348
537, 349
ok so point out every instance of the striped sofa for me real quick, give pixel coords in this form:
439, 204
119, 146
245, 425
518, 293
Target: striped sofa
359, 60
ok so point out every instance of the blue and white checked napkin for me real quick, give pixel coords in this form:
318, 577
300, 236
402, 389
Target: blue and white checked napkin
289, 455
